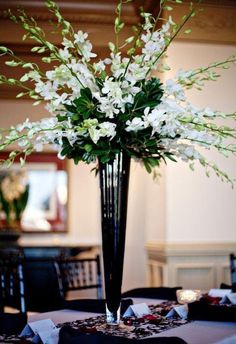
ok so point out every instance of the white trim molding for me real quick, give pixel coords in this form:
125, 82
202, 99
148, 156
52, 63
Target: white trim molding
190, 265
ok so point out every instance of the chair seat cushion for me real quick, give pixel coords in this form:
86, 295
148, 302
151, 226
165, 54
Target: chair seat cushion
12, 323
227, 286
201, 310
165, 293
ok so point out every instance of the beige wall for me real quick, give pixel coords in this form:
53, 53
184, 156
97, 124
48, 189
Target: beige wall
199, 209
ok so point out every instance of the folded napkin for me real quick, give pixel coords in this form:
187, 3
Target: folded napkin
164, 293
69, 335
93, 305
12, 323
201, 310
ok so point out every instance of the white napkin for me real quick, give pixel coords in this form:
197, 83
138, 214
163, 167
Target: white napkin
219, 292
139, 309
41, 330
181, 311
230, 298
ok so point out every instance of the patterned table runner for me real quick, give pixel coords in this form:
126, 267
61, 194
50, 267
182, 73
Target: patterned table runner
131, 327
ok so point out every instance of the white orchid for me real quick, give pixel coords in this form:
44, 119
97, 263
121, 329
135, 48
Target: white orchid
101, 107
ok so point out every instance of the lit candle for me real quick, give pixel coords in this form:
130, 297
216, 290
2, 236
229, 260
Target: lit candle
188, 295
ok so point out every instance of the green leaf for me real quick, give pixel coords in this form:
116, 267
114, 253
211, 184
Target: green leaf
104, 159
147, 165
186, 32
61, 118
75, 116
3, 49
170, 156
19, 95
112, 46
12, 63
88, 148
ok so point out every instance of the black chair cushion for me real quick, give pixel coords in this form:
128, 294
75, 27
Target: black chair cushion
201, 310
41, 286
227, 286
69, 335
165, 293
93, 305
12, 323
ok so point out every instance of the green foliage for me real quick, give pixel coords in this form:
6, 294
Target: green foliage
150, 96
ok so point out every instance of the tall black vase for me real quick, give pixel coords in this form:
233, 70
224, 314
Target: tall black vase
114, 183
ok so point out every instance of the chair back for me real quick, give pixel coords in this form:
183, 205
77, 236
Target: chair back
78, 274
43, 288
12, 290
232, 258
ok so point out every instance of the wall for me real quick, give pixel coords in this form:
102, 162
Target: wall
199, 217
199, 209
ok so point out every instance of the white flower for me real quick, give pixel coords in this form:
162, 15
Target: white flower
208, 112
107, 129
107, 107
64, 54
175, 89
84, 45
48, 123
80, 37
34, 75
25, 125
59, 99
60, 74
165, 27
183, 76
135, 125
148, 24
67, 43
188, 152
99, 66
94, 134
38, 146
47, 90
23, 142
155, 118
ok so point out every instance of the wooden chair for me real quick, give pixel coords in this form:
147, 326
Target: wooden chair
232, 258
12, 293
78, 274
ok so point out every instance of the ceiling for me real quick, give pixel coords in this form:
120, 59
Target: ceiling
84, 10
216, 24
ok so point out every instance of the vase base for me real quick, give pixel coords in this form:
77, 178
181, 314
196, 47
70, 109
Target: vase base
112, 318
110, 329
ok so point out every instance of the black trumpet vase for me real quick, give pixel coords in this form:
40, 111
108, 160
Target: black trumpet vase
114, 183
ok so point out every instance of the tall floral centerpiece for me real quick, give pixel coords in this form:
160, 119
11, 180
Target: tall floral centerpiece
115, 109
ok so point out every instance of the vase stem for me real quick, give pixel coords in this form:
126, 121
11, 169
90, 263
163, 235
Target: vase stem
114, 181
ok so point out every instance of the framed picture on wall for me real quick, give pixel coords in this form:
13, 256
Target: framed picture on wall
46, 178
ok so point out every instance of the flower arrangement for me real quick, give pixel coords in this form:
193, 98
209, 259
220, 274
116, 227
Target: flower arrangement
101, 107
14, 193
